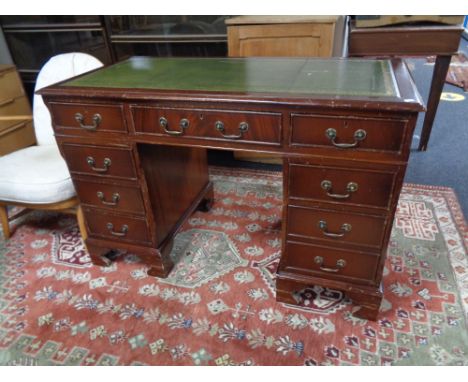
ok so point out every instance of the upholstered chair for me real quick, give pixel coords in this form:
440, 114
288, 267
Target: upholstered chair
37, 177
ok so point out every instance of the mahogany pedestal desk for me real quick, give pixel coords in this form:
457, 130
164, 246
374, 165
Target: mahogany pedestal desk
417, 40
135, 134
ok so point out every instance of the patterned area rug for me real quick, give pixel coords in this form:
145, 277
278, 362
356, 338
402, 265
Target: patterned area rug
218, 305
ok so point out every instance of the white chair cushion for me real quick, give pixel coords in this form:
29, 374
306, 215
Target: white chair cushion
58, 68
35, 175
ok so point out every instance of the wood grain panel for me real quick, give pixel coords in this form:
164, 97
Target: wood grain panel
112, 196
98, 220
364, 230
175, 177
121, 160
309, 130
302, 258
262, 127
374, 188
111, 118
301, 40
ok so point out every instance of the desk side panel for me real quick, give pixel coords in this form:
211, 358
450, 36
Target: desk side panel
175, 177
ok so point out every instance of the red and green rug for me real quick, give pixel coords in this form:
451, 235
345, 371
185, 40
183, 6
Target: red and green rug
218, 305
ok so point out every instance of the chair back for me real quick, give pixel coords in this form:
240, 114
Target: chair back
58, 68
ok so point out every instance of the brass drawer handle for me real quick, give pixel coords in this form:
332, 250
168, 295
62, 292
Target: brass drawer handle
184, 123
243, 127
92, 163
359, 135
96, 121
122, 233
340, 264
346, 227
6, 101
114, 202
350, 187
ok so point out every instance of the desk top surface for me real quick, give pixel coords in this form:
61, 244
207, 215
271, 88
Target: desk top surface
331, 82
357, 77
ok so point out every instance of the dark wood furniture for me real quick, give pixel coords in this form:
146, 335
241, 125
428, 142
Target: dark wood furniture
441, 41
135, 135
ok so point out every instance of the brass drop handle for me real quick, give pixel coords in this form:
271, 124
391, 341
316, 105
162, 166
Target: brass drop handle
92, 163
96, 121
340, 264
350, 187
359, 135
114, 202
184, 123
345, 227
243, 127
122, 233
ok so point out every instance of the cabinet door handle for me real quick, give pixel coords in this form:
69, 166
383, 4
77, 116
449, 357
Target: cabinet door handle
122, 233
96, 121
345, 227
184, 123
92, 164
328, 185
359, 135
243, 127
340, 264
114, 202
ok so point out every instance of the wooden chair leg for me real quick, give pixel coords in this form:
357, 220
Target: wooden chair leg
4, 221
81, 223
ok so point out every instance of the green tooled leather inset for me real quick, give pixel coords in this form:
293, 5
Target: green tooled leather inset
355, 77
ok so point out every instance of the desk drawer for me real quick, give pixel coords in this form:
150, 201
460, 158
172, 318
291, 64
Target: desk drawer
336, 227
10, 86
363, 187
348, 133
116, 227
100, 161
87, 118
115, 197
225, 125
329, 262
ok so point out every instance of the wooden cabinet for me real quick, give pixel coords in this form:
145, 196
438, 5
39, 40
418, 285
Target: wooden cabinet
340, 190
16, 128
283, 36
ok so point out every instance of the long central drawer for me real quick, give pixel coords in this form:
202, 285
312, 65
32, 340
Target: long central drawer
227, 125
